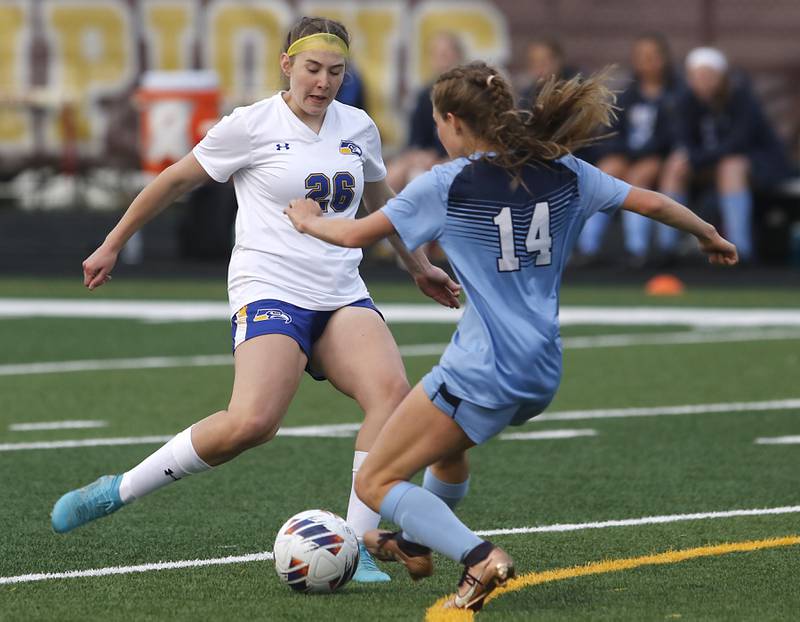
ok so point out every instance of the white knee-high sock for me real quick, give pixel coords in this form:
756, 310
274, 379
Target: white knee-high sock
359, 516
172, 462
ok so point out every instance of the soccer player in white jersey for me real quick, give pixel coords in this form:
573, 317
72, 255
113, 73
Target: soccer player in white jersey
507, 210
296, 303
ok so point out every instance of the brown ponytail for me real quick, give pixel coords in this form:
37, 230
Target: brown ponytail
565, 116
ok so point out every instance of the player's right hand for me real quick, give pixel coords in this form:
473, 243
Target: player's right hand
97, 267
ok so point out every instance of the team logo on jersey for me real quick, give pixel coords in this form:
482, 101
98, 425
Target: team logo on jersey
280, 146
262, 315
348, 147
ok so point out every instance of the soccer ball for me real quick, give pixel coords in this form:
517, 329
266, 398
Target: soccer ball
316, 551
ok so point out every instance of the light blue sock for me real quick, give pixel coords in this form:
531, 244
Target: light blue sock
637, 233
451, 494
428, 520
591, 237
736, 208
680, 197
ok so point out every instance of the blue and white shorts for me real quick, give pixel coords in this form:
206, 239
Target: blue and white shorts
478, 422
275, 317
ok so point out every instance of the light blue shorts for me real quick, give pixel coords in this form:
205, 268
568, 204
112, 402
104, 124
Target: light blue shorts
478, 422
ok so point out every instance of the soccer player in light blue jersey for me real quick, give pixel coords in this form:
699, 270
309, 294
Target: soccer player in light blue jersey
507, 210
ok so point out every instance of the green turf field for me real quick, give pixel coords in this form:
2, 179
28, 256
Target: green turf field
630, 467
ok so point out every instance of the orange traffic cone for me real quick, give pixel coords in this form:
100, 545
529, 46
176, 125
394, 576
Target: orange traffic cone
664, 285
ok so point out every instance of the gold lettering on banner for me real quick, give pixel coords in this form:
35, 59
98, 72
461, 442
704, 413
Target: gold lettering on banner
375, 29
480, 26
245, 41
91, 52
169, 31
15, 122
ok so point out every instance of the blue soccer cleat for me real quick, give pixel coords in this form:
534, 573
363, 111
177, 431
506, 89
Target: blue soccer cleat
367, 571
77, 507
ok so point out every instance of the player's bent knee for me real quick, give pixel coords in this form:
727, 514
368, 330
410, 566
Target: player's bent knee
362, 487
394, 388
253, 430
370, 488
397, 388
382, 392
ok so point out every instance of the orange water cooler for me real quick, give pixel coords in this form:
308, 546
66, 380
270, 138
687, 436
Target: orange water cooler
176, 110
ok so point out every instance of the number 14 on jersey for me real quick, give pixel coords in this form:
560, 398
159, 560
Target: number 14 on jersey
537, 241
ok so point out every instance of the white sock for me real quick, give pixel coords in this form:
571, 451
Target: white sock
172, 462
359, 516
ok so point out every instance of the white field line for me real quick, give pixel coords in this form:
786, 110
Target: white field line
340, 430
104, 572
148, 362
87, 442
686, 316
679, 338
546, 435
172, 311
56, 425
660, 411
646, 520
778, 440
423, 349
335, 430
266, 555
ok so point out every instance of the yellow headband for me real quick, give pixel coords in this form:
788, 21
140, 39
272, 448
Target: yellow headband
322, 42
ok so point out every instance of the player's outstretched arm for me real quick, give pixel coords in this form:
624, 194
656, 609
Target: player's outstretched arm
376, 195
157, 195
663, 209
431, 280
305, 216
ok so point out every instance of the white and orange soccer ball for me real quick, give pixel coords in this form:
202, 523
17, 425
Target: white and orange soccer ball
316, 551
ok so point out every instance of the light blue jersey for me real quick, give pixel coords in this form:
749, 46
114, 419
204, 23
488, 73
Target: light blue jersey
508, 247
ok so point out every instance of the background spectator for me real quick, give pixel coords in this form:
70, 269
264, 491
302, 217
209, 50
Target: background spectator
545, 58
724, 138
352, 90
636, 152
424, 149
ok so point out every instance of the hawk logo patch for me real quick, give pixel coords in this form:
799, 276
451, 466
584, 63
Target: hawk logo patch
348, 147
262, 315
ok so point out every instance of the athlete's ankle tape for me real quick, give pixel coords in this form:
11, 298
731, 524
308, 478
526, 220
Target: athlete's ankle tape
478, 554
411, 548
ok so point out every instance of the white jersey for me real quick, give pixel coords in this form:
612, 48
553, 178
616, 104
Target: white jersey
274, 157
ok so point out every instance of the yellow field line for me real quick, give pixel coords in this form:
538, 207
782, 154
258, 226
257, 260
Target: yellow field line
437, 613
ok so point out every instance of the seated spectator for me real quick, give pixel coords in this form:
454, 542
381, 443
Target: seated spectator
723, 137
545, 59
636, 152
424, 149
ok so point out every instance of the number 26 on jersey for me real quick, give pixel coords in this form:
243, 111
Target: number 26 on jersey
337, 193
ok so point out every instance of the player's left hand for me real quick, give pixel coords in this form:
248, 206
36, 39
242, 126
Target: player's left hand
301, 210
719, 250
437, 284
